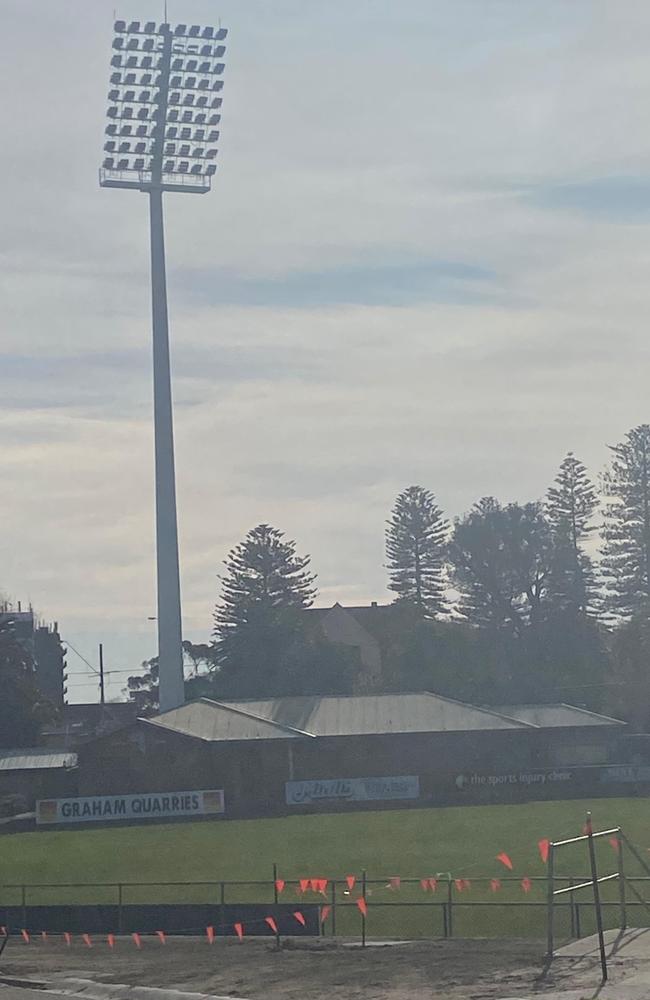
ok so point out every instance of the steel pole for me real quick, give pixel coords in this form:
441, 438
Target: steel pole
170, 651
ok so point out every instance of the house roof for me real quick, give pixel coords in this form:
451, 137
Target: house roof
36, 759
557, 715
282, 718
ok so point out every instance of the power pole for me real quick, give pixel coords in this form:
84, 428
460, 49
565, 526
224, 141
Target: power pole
102, 697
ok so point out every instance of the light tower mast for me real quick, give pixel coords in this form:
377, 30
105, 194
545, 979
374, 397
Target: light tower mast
161, 135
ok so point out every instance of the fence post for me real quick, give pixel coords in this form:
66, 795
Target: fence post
550, 899
621, 882
333, 907
119, 908
23, 904
450, 905
572, 911
363, 916
599, 912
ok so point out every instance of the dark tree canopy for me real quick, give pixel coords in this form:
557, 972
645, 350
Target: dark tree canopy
570, 506
502, 559
258, 622
23, 709
626, 530
416, 538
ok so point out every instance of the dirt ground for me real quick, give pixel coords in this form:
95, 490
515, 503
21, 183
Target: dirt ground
449, 969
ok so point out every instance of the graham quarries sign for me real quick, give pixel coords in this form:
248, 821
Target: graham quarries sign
148, 805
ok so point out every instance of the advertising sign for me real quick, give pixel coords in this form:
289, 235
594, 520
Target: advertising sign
148, 805
352, 789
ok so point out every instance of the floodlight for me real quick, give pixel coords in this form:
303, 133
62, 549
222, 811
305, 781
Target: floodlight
149, 112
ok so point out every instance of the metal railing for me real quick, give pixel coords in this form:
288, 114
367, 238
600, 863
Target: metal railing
594, 882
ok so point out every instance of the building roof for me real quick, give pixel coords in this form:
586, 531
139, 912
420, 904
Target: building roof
557, 715
282, 718
212, 720
36, 759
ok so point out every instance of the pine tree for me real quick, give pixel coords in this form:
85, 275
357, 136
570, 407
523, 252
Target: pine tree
570, 506
416, 539
264, 589
626, 532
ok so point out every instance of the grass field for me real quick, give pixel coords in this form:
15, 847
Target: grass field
410, 843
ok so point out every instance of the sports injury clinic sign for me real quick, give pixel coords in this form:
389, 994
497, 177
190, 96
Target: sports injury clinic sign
148, 805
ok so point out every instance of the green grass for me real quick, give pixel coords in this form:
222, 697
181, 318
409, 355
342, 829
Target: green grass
409, 843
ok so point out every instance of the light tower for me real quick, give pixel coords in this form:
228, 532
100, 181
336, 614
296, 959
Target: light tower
161, 135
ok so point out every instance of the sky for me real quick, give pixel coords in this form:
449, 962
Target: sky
424, 261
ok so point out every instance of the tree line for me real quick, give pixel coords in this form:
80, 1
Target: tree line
509, 602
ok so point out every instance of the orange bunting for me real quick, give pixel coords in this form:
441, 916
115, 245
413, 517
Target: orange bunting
505, 860
279, 885
272, 924
209, 933
395, 882
363, 908
613, 841
25, 935
424, 883
526, 884
543, 846
320, 885
324, 913
137, 940
68, 938
495, 884
305, 884
110, 938
299, 917
86, 940
239, 930
460, 884
350, 879
433, 884
161, 937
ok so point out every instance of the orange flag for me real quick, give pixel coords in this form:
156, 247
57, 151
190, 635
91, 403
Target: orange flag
495, 884
433, 884
272, 924
395, 882
543, 846
304, 884
239, 930
321, 885
361, 903
137, 940
209, 933
505, 860
86, 940
68, 938
350, 879
279, 885
161, 937
526, 884
111, 940
425, 884
324, 913
613, 843
25, 935
299, 917
459, 883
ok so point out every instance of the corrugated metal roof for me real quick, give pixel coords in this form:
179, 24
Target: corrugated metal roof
557, 715
282, 718
210, 720
385, 713
36, 759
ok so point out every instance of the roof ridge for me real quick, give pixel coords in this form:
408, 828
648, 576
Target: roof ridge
258, 718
